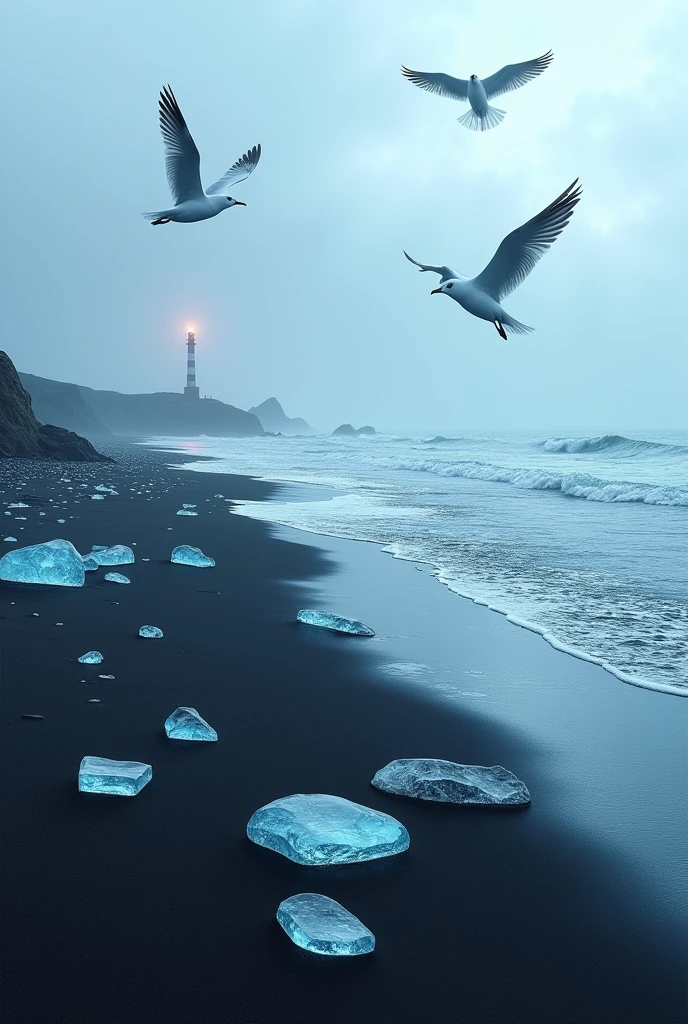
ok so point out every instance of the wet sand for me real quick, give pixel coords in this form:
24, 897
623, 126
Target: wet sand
158, 909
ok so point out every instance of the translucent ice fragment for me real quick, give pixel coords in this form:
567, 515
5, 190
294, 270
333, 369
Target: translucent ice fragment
187, 724
117, 554
90, 563
427, 778
97, 497
319, 829
56, 562
189, 506
104, 489
91, 658
334, 622
186, 512
116, 577
10, 540
184, 554
322, 925
120, 778
152, 632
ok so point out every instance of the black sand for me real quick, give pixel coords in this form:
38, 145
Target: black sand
158, 909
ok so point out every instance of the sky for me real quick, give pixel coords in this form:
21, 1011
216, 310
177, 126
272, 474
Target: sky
305, 294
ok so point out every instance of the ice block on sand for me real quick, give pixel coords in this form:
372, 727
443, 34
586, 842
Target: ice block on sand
184, 554
326, 620
187, 724
118, 778
446, 782
57, 562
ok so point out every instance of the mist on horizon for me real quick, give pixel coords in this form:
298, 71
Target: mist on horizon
305, 294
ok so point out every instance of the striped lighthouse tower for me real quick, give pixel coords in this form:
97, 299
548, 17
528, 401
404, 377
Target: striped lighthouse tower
191, 391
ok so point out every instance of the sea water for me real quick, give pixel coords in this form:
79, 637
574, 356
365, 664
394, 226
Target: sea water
581, 538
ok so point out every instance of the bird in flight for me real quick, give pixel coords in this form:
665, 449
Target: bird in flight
481, 117
515, 258
183, 167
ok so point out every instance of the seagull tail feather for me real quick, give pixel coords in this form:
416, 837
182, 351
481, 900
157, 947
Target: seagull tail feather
158, 215
476, 123
514, 326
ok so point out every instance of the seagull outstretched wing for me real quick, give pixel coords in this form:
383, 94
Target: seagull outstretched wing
440, 84
520, 251
237, 172
446, 273
182, 160
513, 76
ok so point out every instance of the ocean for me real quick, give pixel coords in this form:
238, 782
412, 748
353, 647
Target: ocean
581, 539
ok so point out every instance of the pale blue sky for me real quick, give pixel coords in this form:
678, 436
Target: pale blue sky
305, 294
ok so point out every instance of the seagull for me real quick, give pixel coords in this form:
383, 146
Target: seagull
481, 117
515, 258
183, 167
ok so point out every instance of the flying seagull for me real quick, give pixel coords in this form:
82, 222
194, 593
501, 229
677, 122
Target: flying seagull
477, 92
183, 167
510, 265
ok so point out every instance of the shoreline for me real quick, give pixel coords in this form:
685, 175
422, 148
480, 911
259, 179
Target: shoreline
497, 918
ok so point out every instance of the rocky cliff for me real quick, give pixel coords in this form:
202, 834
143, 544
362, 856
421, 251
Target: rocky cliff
273, 418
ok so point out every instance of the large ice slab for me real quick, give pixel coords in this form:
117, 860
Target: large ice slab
91, 658
446, 782
316, 828
322, 925
184, 554
187, 724
118, 778
116, 554
150, 632
57, 562
334, 622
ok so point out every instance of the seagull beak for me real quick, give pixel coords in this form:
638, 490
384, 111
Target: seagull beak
237, 203
436, 291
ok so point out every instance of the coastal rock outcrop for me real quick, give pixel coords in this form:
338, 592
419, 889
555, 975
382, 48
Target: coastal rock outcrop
23, 437
346, 430
273, 418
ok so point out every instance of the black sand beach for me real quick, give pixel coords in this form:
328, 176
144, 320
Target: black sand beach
159, 909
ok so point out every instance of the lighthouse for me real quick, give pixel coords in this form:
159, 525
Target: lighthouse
191, 391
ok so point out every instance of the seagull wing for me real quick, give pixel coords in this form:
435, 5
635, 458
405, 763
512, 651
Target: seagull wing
446, 273
182, 160
513, 76
441, 85
520, 251
237, 172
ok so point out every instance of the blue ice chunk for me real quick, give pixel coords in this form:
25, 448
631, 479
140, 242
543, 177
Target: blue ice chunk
152, 632
105, 490
186, 512
184, 554
117, 554
427, 778
119, 778
10, 540
318, 829
116, 577
189, 506
97, 497
187, 724
91, 658
56, 562
334, 622
322, 925
90, 563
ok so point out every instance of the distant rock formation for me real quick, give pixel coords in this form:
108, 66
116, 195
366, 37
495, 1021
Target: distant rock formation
273, 418
170, 414
22, 436
346, 430
62, 404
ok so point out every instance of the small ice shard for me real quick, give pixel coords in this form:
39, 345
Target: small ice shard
97, 497
34, 718
10, 540
116, 577
322, 925
91, 658
319, 829
334, 622
18, 504
118, 554
119, 778
104, 489
90, 563
189, 506
186, 512
184, 554
152, 632
93, 700
187, 724
427, 778
106, 677
219, 495
62, 520
56, 562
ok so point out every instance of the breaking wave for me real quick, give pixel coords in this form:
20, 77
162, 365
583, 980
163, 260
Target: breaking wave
575, 485
613, 443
